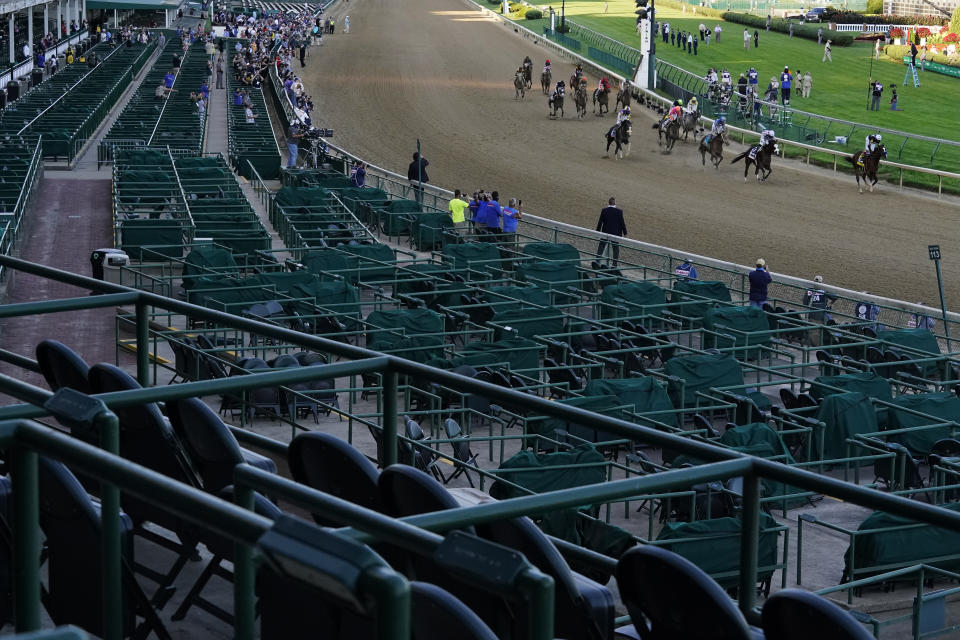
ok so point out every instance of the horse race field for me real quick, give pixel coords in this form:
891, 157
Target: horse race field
440, 71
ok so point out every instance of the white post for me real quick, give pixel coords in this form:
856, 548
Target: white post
553, 20
116, 24
30, 30
12, 58
83, 9
46, 21
57, 30
166, 18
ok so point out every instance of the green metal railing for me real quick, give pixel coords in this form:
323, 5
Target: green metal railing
26, 439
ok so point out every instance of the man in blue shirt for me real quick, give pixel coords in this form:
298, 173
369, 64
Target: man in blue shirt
786, 80
494, 214
759, 281
753, 78
686, 271
511, 216
169, 79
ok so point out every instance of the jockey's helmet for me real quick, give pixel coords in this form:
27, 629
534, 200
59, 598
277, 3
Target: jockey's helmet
548, 62
721, 120
626, 111
678, 103
879, 137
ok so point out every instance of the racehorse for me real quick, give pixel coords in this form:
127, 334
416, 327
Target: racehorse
528, 74
690, 122
714, 146
546, 79
762, 160
623, 97
620, 134
868, 170
519, 86
556, 101
670, 130
600, 95
580, 98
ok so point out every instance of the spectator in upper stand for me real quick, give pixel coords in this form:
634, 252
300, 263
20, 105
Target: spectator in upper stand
817, 298
686, 270
417, 174
359, 175
238, 97
494, 217
250, 115
760, 280
169, 79
512, 213
456, 208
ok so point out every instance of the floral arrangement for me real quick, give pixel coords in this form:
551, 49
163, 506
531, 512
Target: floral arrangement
896, 32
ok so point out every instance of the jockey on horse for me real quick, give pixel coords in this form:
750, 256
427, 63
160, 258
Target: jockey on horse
527, 70
622, 115
718, 129
547, 68
766, 137
675, 112
871, 145
692, 105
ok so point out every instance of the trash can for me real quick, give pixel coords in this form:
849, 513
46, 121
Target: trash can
91, 59
36, 76
13, 90
3, 99
106, 264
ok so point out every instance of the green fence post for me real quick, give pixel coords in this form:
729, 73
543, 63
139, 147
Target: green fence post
244, 576
391, 592
143, 345
389, 417
109, 429
749, 543
26, 540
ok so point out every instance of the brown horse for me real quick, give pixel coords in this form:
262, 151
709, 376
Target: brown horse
580, 98
601, 96
669, 130
714, 146
761, 160
624, 96
867, 169
546, 79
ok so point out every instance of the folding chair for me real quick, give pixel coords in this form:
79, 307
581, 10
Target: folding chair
461, 451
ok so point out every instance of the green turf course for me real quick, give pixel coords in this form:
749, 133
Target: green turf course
839, 89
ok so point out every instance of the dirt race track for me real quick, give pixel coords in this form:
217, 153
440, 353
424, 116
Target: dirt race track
436, 70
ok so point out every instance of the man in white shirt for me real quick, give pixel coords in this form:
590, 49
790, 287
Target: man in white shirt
250, 115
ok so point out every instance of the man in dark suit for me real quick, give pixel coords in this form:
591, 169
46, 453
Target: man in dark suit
611, 222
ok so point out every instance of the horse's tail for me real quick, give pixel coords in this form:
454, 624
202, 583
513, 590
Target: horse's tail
656, 125
740, 157
851, 159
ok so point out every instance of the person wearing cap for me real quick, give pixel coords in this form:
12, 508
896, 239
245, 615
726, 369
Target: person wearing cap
686, 271
759, 282
786, 80
816, 298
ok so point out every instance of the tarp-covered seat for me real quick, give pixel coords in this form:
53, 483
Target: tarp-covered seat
330, 263
944, 407
340, 297
475, 256
922, 340
431, 230
604, 405
557, 251
394, 217
644, 298
647, 396
845, 415
700, 374
527, 323
556, 276
866, 382
714, 546
685, 290
406, 321
886, 550
518, 353
747, 326
203, 259
374, 261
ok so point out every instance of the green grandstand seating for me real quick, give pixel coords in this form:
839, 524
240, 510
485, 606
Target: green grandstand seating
254, 143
